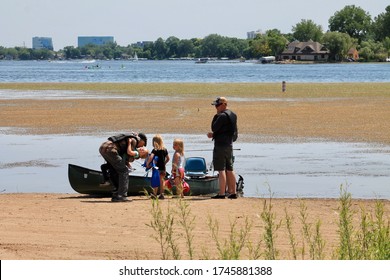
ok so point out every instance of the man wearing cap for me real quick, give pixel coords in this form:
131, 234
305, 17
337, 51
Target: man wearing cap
224, 133
119, 150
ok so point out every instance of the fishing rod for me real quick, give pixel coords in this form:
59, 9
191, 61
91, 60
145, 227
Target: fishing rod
208, 150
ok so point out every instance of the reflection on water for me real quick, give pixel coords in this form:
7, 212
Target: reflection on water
31, 163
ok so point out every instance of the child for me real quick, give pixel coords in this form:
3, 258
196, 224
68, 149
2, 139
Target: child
160, 153
178, 166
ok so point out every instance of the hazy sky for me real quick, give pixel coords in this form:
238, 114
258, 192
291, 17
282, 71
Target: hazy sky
130, 21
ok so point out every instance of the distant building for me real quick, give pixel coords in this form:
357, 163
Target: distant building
141, 44
305, 51
353, 54
42, 43
253, 34
94, 40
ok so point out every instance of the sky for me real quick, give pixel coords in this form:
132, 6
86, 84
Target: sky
130, 21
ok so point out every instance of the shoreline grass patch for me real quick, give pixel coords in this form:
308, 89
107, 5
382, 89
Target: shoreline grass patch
364, 237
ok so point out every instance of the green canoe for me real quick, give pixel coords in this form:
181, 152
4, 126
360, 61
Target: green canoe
87, 181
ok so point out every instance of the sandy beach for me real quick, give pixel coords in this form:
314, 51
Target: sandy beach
51, 226
69, 226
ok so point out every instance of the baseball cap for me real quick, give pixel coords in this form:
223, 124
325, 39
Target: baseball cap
219, 100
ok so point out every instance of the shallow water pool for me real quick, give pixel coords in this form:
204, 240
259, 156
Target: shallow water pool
38, 163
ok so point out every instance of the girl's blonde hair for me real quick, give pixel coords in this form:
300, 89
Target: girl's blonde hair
158, 142
180, 145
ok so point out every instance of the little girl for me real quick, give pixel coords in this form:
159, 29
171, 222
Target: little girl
160, 153
178, 166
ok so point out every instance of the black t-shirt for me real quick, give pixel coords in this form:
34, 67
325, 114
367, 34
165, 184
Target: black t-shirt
161, 154
224, 128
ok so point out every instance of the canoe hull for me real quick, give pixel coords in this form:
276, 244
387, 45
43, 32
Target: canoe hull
87, 181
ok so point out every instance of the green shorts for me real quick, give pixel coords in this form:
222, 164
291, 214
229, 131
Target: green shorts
223, 158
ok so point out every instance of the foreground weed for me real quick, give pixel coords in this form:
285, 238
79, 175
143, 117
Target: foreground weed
270, 229
371, 241
319, 242
364, 237
381, 230
163, 227
293, 243
314, 240
231, 247
374, 237
345, 250
187, 222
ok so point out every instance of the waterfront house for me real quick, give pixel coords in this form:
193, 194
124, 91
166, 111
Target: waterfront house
353, 54
305, 51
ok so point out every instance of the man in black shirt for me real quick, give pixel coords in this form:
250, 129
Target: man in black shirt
224, 133
119, 150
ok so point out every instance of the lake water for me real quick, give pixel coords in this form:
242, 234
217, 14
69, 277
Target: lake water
32, 163
189, 71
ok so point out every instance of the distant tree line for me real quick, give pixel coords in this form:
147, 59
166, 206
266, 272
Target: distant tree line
351, 27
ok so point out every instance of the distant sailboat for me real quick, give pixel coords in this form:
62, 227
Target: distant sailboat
135, 57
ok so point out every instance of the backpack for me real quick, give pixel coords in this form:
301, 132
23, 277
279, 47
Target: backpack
120, 137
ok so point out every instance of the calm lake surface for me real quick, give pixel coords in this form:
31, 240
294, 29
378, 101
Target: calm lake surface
189, 71
36, 163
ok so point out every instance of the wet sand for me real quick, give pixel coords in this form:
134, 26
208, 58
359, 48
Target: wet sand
337, 112
52, 226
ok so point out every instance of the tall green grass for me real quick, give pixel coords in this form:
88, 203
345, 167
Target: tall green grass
361, 236
371, 240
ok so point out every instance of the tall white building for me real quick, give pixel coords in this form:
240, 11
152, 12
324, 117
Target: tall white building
253, 34
42, 43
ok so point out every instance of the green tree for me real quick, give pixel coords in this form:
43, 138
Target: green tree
260, 46
277, 42
2, 52
71, 52
209, 46
386, 45
172, 44
307, 30
118, 52
42, 54
338, 44
186, 48
148, 50
381, 25
160, 49
108, 53
372, 51
241, 45
351, 20
108, 50
226, 49
12, 53
24, 54
89, 50
271, 43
